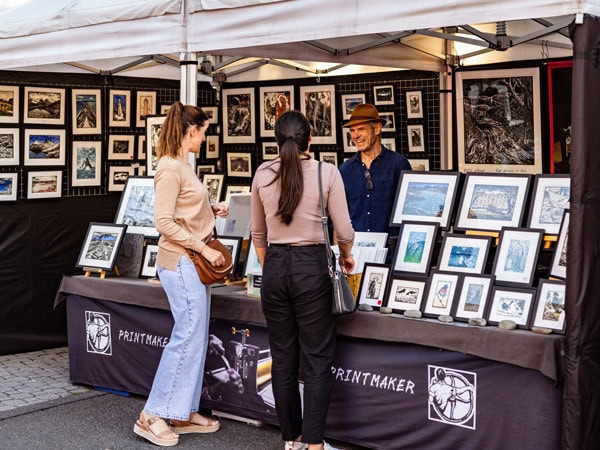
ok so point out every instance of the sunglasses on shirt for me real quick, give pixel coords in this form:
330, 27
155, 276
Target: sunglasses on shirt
367, 175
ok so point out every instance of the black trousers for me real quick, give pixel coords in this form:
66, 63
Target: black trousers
296, 302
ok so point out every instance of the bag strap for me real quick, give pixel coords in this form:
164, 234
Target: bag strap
330, 255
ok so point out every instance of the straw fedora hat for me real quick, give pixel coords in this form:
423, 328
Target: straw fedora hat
363, 113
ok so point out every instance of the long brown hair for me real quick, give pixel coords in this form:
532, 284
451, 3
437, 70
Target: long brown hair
179, 118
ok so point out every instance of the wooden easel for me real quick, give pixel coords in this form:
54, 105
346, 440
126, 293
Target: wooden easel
89, 270
549, 239
493, 234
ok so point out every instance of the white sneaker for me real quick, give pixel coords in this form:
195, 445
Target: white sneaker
294, 445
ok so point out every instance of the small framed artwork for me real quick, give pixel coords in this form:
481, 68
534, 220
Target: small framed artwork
9, 146
414, 105
44, 105
9, 104
87, 111
349, 102
517, 255
270, 150
441, 293
45, 147
141, 147
511, 303
214, 185
349, 145
118, 176
415, 247
330, 157
550, 306
558, 268
238, 116
419, 165
317, 103
234, 245
274, 101
373, 284
212, 112
86, 163
406, 293
425, 197
44, 184
473, 297
490, 202
212, 146
384, 95
551, 195
153, 127
120, 108
9, 187
389, 143
231, 189
252, 264
416, 138
464, 253
164, 109
149, 262
203, 169
121, 146
101, 245
239, 164
390, 121
370, 239
136, 208
146, 106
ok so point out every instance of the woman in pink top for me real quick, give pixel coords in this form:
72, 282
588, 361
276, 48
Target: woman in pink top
296, 287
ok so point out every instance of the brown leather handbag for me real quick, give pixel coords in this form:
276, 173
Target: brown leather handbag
208, 273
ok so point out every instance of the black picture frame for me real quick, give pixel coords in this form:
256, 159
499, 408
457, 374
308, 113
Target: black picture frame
511, 303
414, 249
101, 245
441, 294
473, 297
558, 268
136, 206
149, 261
515, 262
464, 253
373, 284
549, 311
549, 198
406, 292
234, 245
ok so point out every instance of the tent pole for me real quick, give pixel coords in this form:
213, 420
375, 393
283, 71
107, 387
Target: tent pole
188, 87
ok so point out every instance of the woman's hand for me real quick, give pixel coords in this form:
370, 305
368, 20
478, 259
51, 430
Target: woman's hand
346, 263
214, 257
221, 209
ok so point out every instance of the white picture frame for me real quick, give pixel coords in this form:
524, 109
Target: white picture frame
10, 148
145, 106
86, 109
86, 163
44, 105
274, 101
239, 165
414, 104
348, 143
10, 102
212, 146
212, 112
383, 95
214, 185
118, 176
235, 189
136, 207
390, 121
349, 102
9, 186
152, 132
317, 103
44, 147
329, 157
44, 184
416, 138
141, 147
239, 119
389, 143
121, 147
270, 150
419, 165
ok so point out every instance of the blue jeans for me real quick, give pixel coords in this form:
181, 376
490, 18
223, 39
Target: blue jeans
178, 381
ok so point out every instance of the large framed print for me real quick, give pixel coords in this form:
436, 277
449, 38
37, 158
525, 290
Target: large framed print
499, 121
44, 105
234, 245
550, 306
274, 101
121, 146
9, 104
149, 262
373, 285
490, 202
349, 102
558, 268
441, 293
136, 208
101, 246
416, 241
239, 164
146, 106
414, 104
464, 253
44, 147
511, 303
9, 187
317, 103
9, 147
238, 116
550, 198
86, 163
86, 109
153, 127
425, 197
416, 138
517, 255
120, 108
214, 185
44, 184
406, 293
118, 176
473, 297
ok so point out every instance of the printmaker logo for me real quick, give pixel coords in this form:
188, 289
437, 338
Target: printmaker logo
452, 396
97, 327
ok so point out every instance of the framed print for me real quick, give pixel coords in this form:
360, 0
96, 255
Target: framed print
164, 109
274, 101
270, 150
473, 297
252, 265
441, 293
9, 187
490, 202
136, 208
416, 138
211, 111
118, 176
212, 146
44, 105
238, 222
390, 121
511, 303
239, 165
214, 185
349, 102
153, 127
86, 109
560, 80
234, 245
389, 143
517, 255
231, 189
86, 163
121, 146
120, 108
238, 116
419, 165
558, 268
146, 106
101, 246
414, 105
9, 147
550, 306
349, 145
44, 184
383, 95
9, 104
44, 147
330, 157
497, 131
202, 169
550, 198
415, 247
317, 103
425, 197
149, 262
464, 253
141, 147
373, 285
406, 293
370, 239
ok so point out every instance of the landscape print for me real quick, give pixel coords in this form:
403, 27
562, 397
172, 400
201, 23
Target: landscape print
493, 202
415, 247
425, 199
44, 105
554, 203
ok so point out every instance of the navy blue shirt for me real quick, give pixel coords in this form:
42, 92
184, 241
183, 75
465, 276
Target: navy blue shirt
371, 210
